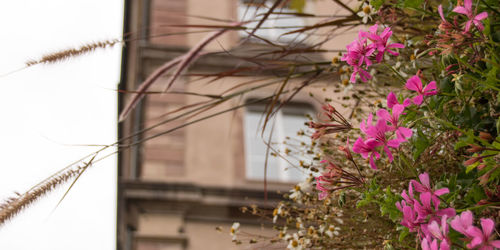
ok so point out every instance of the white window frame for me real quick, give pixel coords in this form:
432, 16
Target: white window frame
284, 169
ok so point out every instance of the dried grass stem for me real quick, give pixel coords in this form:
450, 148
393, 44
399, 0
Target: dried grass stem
68, 53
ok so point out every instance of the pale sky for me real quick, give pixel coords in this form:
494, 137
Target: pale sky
48, 110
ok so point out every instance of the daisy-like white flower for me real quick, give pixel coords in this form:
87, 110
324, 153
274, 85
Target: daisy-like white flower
294, 243
234, 230
366, 12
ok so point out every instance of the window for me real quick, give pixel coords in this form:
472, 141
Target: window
275, 25
286, 123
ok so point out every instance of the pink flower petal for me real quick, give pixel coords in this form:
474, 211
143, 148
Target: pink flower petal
397, 110
407, 102
414, 84
391, 100
353, 77
430, 87
396, 45
389, 154
488, 225
372, 162
424, 179
468, 5
481, 16
474, 232
475, 242
495, 243
440, 10
450, 212
404, 133
384, 114
444, 245
433, 228
478, 24
461, 10
441, 191
417, 100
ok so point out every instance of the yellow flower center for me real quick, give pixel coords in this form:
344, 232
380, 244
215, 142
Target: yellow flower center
295, 243
367, 10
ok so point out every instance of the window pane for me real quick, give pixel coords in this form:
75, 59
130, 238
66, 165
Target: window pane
287, 123
255, 149
254, 11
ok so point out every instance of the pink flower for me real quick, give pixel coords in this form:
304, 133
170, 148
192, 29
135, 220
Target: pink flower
427, 209
408, 199
410, 219
427, 244
425, 187
440, 233
358, 52
363, 74
364, 125
378, 132
473, 18
463, 221
401, 132
414, 83
393, 100
483, 238
380, 42
324, 192
367, 149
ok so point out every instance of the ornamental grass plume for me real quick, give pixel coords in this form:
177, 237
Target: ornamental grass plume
72, 52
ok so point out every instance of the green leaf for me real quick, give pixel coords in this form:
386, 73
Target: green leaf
404, 232
421, 143
298, 5
376, 4
412, 3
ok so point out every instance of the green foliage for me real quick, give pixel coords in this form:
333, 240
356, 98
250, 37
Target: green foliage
385, 199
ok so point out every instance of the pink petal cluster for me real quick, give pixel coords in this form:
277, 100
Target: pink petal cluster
378, 135
471, 15
359, 51
425, 217
380, 42
327, 179
477, 238
415, 84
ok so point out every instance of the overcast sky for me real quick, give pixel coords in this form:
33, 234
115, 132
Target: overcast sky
48, 111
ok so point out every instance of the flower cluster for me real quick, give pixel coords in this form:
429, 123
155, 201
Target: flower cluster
452, 36
378, 135
424, 216
335, 178
470, 14
359, 52
334, 122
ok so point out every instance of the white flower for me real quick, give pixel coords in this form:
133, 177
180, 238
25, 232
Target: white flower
234, 230
339, 220
366, 12
277, 212
294, 243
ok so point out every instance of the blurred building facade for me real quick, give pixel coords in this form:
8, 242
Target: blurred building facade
175, 189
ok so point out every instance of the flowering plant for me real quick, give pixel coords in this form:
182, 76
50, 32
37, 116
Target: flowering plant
428, 157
